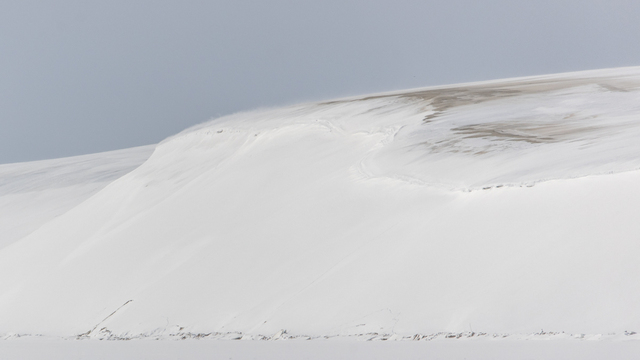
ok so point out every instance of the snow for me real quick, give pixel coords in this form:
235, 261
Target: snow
53, 349
33, 193
502, 207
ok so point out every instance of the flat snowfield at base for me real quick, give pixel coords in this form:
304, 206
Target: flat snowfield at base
54, 349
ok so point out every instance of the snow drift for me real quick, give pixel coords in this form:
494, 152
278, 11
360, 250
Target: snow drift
506, 206
33, 193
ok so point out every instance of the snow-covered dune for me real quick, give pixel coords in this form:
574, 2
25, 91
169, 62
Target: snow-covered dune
506, 206
33, 193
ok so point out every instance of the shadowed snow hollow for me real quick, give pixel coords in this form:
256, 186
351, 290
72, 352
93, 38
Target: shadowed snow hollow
407, 212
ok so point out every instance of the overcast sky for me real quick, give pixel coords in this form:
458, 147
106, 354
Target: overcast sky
79, 77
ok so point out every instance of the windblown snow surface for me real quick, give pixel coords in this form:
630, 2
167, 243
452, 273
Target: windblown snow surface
33, 193
503, 207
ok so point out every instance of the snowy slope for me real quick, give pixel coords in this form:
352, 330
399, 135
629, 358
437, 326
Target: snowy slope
506, 206
35, 192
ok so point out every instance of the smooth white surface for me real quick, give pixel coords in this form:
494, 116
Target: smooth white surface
508, 206
336, 350
33, 193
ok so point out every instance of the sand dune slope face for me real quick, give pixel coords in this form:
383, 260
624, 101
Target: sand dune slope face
505, 206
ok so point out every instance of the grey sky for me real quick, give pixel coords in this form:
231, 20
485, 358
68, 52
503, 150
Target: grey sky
86, 76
